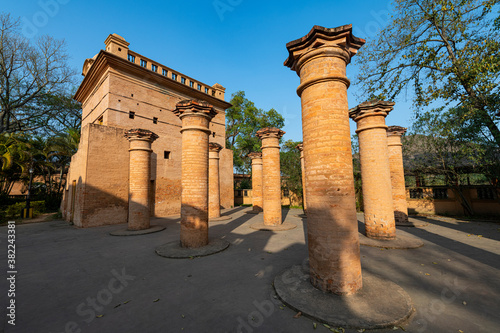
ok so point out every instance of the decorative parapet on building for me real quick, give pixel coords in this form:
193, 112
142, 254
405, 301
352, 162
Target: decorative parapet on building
117, 45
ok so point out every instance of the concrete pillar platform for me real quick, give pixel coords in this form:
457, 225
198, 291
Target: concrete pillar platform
126, 232
378, 304
402, 241
174, 250
260, 226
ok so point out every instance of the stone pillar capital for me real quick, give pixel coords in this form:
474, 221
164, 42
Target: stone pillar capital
371, 108
193, 107
140, 134
322, 41
394, 134
396, 131
214, 147
255, 156
300, 147
270, 132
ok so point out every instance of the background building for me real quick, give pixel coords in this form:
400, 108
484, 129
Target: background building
123, 90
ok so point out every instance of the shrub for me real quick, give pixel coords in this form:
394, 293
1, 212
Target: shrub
16, 209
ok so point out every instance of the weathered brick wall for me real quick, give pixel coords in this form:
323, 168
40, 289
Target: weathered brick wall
106, 183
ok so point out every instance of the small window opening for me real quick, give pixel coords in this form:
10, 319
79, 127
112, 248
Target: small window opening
155, 120
166, 155
131, 114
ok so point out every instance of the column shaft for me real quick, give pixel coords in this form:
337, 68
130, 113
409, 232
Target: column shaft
195, 116
300, 147
320, 59
257, 175
271, 189
213, 181
139, 178
375, 169
397, 173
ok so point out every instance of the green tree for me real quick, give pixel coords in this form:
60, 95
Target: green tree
243, 120
31, 75
291, 170
443, 146
14, 159
446, 50
356, 163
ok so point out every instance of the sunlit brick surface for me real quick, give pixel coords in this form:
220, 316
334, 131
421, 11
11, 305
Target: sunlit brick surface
139, 177
213, 180
271, 189
394, 134
375, 170
320, 59
256, 181
196, 117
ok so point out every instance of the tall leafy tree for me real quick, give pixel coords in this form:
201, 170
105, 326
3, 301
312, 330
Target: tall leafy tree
447, 51
243, 120
31, 75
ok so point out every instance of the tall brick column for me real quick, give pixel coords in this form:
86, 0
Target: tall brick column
394, 134
270, 137
375, 170
140, 141
213, 180
196, 116
256, 181
300, 147
320, 59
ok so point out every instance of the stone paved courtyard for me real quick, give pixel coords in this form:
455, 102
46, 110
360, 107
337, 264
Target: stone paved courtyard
84, 280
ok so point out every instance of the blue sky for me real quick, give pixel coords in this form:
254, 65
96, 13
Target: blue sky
237, 43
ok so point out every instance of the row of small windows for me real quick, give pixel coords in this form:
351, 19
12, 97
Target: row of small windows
154, 68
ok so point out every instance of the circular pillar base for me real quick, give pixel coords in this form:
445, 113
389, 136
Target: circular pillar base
220, 218
400, 242
379, 304
127, 232
174, 250
280, 227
